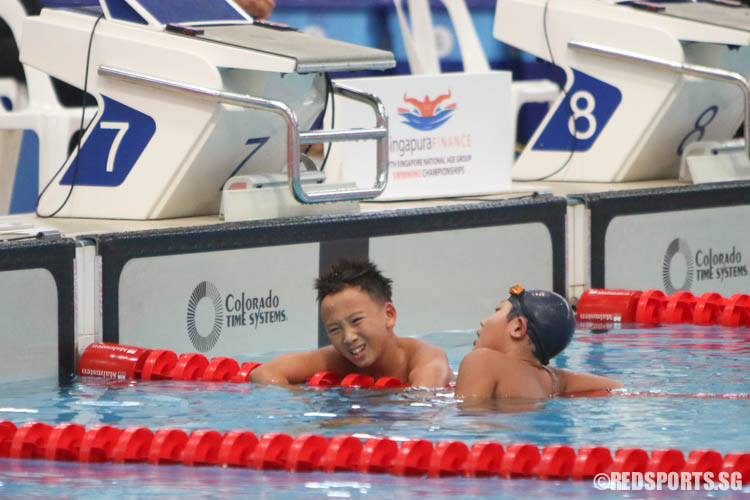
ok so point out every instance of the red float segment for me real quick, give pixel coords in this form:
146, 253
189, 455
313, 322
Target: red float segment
650, 307
133, 445
221, 369
708, 309
190, 366
104, 359
64, 442
679, 307
702, 461
737, 462
448, 459
159, 365
484, 460
98, 444
609, 306
324, 379
272, 451
556, 462
167, 446
736, 310
342, 454
520, 460
246, 369
30, 440
306, 453
357, 380
7, 431
202, 448
378, 455
666, 461
388, 383
630, 460
413, 458
237, 448
591, 461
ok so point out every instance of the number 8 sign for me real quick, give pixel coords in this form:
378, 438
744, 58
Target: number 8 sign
581, 116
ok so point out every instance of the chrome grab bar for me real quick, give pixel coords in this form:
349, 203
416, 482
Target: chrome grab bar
293, 136
678, 67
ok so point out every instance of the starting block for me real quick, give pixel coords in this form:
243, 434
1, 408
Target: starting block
644, 81
191, 94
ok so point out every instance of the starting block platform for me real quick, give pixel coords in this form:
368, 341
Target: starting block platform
644, 81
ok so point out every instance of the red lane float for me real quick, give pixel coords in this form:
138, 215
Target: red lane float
603, 306
129, 362
484, 460
237, 448
64, 442
97, 445
342, 454
7, 431
311, 452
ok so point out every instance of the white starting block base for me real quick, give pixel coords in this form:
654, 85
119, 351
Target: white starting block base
714, 161
718, 167
254, 197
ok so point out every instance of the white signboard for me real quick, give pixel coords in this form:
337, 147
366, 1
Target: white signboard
449, 134
703, 250
222, 303
447, 280
29, 333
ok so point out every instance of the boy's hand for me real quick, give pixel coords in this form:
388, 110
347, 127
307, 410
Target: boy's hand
260, 9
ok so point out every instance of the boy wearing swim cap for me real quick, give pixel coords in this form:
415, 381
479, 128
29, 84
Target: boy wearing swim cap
514, 346
359, 317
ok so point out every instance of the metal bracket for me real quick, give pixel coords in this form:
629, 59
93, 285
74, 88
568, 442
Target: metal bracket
293, 135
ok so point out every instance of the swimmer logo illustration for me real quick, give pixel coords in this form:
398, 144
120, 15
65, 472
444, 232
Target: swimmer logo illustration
427, 114
203, 295
677, 260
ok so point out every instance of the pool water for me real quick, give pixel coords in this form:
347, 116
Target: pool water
687, 387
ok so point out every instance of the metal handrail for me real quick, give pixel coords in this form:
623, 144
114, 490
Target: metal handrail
678, 67
293, 136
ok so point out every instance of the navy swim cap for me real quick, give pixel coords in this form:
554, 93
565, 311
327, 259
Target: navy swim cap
551, 322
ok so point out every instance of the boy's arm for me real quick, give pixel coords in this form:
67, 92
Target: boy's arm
475, 380
583, 382
295, 367
430, 368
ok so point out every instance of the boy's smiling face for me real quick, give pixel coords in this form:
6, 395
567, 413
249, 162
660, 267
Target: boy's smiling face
357, 325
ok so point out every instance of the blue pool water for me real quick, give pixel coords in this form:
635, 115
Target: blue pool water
665, 370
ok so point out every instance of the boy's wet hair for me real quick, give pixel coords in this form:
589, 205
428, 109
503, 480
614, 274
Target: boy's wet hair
347, 273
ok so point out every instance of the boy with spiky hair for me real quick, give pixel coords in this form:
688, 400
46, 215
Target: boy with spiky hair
359, 318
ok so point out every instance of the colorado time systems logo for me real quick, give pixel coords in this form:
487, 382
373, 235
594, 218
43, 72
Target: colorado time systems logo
208, 312
204, 293
678, 249
709, 263
427, 114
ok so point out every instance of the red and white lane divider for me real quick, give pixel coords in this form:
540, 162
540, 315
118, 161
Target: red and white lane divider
124, 362
311, 452
653, 306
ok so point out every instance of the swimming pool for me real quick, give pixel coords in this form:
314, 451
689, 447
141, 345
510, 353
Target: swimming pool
673, 363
